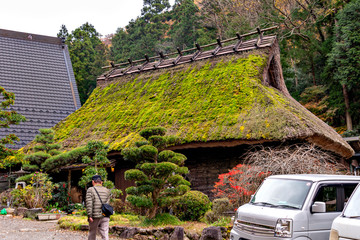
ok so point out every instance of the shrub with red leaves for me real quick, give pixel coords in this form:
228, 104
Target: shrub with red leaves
239, 184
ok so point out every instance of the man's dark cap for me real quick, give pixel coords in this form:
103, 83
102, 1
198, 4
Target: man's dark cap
96, 177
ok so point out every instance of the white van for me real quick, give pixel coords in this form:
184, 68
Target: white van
293, 207
347, 225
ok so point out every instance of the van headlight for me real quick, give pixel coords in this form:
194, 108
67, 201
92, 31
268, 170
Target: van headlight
334, 235
283, 227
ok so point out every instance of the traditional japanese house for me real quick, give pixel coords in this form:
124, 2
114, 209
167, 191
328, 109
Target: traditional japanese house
218, 99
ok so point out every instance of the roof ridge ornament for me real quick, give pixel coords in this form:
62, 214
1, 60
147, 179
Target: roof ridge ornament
196, 54
217, 49
260, 37
189, 55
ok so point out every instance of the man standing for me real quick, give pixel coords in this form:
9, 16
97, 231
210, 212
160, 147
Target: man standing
93, 208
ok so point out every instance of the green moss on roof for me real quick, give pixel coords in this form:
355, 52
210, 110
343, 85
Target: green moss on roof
199, 102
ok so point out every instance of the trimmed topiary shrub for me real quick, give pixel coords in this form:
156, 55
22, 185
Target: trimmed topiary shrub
192, 206
158, 174
44, 149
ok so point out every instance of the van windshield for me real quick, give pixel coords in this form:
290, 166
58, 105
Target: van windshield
352, 209
285, 193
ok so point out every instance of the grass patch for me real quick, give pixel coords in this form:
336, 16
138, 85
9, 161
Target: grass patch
161, 220
72, 222
222, 222
124, 219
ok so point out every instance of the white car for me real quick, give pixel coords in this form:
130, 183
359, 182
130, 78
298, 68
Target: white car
347, 225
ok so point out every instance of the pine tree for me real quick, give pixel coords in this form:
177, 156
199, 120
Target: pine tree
63, 33
186, 30
144, 35
7, 118
97, 162
44, 149
158, 173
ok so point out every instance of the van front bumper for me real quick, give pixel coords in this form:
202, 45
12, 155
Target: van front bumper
238, 235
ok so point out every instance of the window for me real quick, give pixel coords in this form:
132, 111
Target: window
327, 194
334, 196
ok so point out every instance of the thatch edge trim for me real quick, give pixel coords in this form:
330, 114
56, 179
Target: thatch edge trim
331, 145
329, 140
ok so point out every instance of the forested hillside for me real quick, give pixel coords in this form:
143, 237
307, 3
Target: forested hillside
319, 42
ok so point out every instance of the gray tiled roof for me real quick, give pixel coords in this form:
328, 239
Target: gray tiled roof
38, 70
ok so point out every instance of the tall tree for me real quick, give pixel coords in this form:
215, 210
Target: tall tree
230, 16
344, 62
186, 27
63, 33
143, 35
7, 118
88, 55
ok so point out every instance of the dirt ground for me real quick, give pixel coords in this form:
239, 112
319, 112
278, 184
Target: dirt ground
16, 228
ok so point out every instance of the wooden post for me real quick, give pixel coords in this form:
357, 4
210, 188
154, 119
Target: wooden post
258, 42
69, 181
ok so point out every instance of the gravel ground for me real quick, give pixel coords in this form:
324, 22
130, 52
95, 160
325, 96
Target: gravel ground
15, 228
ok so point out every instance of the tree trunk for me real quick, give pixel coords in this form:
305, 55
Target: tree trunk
69, 182
347, 108
295, 73
153, 210
313, 71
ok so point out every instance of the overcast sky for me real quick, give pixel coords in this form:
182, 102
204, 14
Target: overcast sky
45, 17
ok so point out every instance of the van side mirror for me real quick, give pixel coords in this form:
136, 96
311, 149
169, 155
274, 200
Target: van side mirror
318, 207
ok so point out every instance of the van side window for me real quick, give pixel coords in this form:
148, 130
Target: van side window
335, 196
327, 194
348, 189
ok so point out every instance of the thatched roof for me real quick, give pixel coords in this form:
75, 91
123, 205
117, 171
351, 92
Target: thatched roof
235, 98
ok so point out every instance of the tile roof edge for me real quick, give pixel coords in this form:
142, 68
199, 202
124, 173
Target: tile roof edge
30, 37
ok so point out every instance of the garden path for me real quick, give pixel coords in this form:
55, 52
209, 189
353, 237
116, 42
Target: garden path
15, 228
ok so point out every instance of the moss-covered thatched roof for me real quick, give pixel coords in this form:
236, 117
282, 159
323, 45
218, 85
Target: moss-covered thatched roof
221, 101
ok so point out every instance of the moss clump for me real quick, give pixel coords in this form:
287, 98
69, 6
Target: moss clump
204, 101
